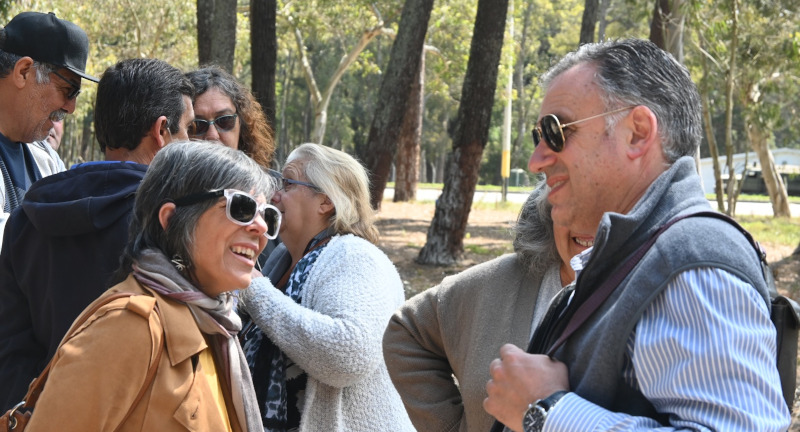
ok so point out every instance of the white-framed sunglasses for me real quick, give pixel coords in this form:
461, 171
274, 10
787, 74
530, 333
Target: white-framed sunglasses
240, 207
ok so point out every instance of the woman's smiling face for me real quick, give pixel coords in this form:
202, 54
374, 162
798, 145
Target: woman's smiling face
225, 253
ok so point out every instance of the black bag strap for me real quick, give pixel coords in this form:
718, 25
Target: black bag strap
602, 293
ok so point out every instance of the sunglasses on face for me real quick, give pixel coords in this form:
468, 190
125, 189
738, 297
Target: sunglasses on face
552, 131
285, 182
199, 127
240, 207
75, 88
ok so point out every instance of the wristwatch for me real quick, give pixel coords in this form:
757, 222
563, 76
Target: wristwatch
534, 418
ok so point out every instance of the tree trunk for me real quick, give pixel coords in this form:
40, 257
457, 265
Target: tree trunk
407, 160
264, 55
729, 87
588, 21
666, 27
773, 181
393, 95
712, 141
216, 32
602, 22
320, 98
423, 167
714, 153
445, 243
87, 137
523, 105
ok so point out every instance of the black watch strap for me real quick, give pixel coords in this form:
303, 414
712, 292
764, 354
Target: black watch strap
548, 402
536, 415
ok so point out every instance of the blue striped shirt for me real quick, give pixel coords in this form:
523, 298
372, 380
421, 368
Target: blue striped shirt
704, 352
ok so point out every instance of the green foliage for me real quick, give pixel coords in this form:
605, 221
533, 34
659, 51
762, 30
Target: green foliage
117, 30
769, 62
769, 55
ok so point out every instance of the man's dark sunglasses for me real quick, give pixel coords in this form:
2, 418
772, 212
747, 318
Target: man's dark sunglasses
240, 207
199, 127
75, 88
552, 131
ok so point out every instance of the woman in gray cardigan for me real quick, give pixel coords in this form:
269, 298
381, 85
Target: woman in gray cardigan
319, 316
439, 344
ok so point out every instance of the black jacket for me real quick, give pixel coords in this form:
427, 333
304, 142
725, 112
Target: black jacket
59, 251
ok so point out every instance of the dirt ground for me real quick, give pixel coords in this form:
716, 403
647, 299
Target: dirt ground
404, 227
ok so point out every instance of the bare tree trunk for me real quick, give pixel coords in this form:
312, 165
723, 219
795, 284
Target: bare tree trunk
523, 105
407, 160
666, 27
712, 141
216, 32
264, 55
87, 138
729, 86
661, 11
588, 21
283, 141
321, 98
445, 243
423, 167
393, 95
712, 148
601, 20
773, 181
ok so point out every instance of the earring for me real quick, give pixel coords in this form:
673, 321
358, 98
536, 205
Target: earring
177, 261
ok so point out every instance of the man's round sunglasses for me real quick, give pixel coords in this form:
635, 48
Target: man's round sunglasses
241, 208
552, 131
199, 127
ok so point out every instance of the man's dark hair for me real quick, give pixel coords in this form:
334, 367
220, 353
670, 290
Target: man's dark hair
132, 95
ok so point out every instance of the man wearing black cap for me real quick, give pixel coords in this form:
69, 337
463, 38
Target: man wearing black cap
42, 61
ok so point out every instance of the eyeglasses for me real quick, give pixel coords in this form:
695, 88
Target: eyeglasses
199, 127
552, 131
285, 182
241, 208
75, 88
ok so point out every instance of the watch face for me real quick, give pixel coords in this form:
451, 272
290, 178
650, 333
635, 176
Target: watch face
534, 419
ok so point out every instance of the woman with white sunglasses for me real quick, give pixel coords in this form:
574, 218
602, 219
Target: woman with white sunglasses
314, 345
166, 357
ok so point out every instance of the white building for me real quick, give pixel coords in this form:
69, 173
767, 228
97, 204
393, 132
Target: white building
787, 162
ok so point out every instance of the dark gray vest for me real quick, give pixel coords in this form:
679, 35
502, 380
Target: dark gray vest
595, 353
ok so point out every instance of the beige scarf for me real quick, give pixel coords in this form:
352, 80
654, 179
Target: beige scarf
215, 317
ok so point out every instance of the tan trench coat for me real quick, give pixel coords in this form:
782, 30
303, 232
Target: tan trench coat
99, 371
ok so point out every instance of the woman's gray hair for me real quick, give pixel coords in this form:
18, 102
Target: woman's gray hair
633, 72
344, 180
178, 170
534, 240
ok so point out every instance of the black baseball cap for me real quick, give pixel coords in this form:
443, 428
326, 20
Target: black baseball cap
47, 39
